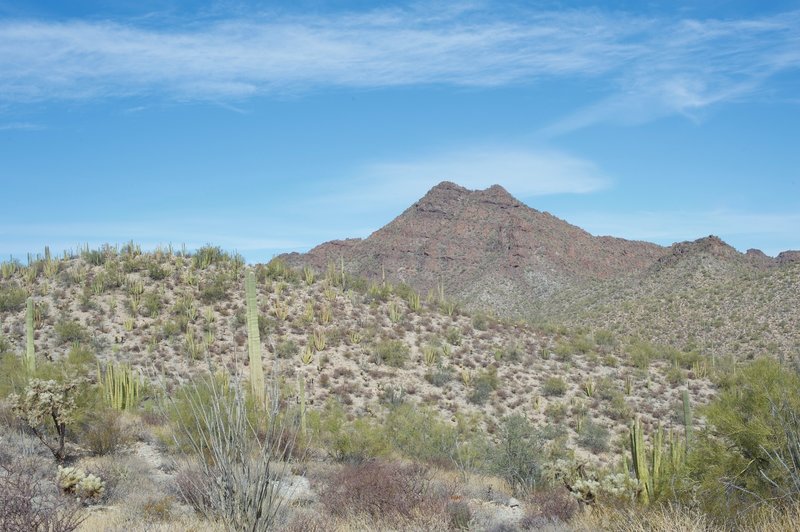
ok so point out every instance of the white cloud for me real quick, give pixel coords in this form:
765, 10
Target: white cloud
649, 66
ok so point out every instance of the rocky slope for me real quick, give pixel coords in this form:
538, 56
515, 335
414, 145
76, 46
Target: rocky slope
485, 248
491, 251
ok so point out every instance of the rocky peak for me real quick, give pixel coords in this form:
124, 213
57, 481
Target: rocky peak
711, 244
788, 257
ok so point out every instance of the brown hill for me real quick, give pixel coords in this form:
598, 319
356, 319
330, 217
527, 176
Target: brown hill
485, 248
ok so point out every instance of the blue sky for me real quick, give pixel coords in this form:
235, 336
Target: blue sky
269, 127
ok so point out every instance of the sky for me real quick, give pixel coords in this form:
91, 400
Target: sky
270, 127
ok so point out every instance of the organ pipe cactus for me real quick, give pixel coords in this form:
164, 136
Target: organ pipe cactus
121, 386
254, 341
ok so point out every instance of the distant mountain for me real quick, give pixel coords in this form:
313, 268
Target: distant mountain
486, 248
492, 252
702, 294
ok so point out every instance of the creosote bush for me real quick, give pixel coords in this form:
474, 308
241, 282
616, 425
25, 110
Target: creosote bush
554, 386
70, 332
391, 352
12, 297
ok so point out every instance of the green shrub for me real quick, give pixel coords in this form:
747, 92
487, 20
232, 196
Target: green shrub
5, 345
286, 349
556, 411
750, 451
391, 352
483, 385
156, 271
453, 336
554, 386
352, 442
103, 432
480, 321
70, 331
641, 354
439, 376
519, 454
215, 289
12, 297
13, 374
594, 437
420, 434
618, 408
152, 304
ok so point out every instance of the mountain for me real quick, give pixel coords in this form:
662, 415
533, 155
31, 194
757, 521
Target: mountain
701, 295
492, 252
485, 248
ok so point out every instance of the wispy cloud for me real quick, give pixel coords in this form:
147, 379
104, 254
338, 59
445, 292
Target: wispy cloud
393, 185
648, 66
21, 126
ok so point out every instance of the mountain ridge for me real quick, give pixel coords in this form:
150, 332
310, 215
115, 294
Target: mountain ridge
485, 247
475, 241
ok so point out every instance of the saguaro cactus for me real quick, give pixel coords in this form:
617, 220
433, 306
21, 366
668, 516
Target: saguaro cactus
254, 340
30, 353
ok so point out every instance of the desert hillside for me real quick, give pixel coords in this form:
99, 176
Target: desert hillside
492, 252
469, 421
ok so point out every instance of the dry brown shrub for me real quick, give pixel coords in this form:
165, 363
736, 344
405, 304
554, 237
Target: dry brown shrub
379, 488
550, 506
29, 503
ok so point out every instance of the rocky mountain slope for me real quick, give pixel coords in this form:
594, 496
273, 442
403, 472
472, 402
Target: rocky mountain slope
485, 248
490, 251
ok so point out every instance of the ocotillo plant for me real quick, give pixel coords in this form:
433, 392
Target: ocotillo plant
121, 386
30, 353
687, 418
254, 341
303, 405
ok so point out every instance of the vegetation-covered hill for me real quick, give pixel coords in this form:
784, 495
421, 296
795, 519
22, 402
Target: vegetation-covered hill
703, 296
127, 380
366, 345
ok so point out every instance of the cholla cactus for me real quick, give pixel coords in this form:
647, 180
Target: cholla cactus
587, 487
585, 490
90, 487
43, 402
76, 482
620, 485
68, 478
